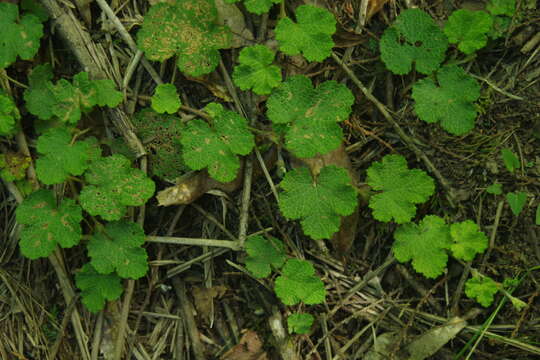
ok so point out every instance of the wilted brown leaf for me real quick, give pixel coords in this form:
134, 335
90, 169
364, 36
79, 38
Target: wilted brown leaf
249, 348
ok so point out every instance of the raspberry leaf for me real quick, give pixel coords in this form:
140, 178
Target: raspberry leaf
298, 282
300, 323
166, 99
318, 203
311, 35
97, 288
413, 38
450, 100
39, 97
217, 145
47, 224
313, 114
482, 289
118, 248
468, 240
400, 189
112, 185
468, 29
256, 71
60, 157
425, 244
263, 254
20, 34
185, 28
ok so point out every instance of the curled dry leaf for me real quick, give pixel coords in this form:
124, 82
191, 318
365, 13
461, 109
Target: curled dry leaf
249, 348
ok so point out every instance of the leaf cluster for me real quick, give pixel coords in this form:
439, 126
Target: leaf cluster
64, 100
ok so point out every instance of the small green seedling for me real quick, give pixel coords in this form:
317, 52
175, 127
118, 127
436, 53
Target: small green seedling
311, 35
300, 323
60, 157
399, 189
517, 201
112, 185
413, 38
9, 115
495, 189
298, 283
468, 29
216, 145
118, 247
537, 215
449, 101
482, 289
166, 99
46, 224
256, 6
312, 114
97, 288
263, 255
21, 34
187, 29
256, 71
318, 203
510, 160
467, 240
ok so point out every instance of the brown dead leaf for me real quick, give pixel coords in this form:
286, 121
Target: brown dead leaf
374, 6
203, 298
249, 348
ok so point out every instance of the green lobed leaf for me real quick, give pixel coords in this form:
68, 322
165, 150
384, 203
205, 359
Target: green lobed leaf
47, 224
9, 115
97, 288
216, 146
510, 160
161, 136
311, 35
256, 6
495, 189
400, 189
450, 101
263, 254
256, 71
166, 99
425, 244
468, 240
300, 323
21, 34
501, 25
517, 201
313, 114
414, 37
60, 157
502, 7
112, 185
39, 97
468, 29
65, 100
482, 289
35, 8
185, 28
320, 203
298, 282
118, 247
